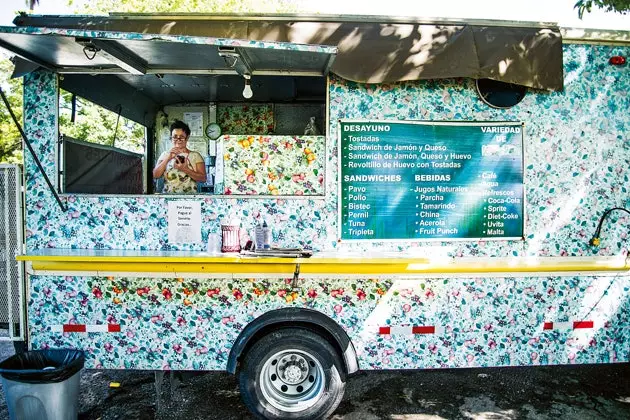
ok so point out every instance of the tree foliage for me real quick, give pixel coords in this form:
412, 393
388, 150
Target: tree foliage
10, 139
92, 123
95, 124
620, 6
184, 6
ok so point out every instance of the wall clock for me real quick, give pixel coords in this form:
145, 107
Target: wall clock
213, 131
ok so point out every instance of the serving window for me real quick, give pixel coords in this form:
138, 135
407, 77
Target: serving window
100, 152
263, 149
255, 108
272, 146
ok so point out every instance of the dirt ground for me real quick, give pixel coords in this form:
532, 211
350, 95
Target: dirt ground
560, 392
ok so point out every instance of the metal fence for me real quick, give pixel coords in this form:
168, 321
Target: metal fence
12, 307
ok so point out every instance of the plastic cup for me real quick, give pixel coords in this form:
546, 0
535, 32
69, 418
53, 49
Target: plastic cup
214, 244
231, 239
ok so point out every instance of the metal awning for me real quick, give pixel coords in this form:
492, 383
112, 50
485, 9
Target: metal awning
154, 70
163, 59
373, 49
69, 51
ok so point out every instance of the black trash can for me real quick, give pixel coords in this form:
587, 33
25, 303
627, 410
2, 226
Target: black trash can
42, 384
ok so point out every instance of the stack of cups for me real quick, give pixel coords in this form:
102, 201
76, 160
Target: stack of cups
231, 235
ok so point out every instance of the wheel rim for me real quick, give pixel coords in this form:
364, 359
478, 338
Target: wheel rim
292, 380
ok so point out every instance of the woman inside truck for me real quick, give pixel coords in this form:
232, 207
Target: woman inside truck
181, 168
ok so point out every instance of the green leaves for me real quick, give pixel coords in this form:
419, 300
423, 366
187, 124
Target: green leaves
185, 6
621, 6
95, 124
10, 140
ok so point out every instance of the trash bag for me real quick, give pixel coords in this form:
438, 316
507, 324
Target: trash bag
42, 366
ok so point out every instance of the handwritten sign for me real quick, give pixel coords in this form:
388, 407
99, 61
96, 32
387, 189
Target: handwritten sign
184, 222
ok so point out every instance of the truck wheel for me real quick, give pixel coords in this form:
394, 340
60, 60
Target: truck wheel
292, 373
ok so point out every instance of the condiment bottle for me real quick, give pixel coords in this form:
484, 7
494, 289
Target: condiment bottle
266, 235
260, 238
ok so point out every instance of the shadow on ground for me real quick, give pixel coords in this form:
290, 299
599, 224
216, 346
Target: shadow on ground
559, 392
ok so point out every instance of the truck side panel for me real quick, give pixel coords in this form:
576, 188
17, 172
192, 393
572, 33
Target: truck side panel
577, 159
153, 323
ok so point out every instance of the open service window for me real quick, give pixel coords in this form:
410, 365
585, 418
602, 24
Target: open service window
254, 111
100, 152
274, 146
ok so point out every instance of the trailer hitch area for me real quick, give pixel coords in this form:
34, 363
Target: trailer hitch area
296, 277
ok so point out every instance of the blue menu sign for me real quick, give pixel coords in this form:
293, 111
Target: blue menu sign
422, 180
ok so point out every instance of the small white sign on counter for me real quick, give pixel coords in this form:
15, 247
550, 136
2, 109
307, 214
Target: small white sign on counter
184, 221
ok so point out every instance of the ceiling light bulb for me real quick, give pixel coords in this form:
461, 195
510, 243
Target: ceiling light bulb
247, 92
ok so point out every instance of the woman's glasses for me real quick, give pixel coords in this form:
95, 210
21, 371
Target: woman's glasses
180, 138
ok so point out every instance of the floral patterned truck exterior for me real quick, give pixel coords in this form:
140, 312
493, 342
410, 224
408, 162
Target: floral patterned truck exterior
577, 159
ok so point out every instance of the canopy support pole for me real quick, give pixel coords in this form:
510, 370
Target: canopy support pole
30, 147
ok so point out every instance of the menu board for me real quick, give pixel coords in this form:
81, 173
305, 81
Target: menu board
422, 180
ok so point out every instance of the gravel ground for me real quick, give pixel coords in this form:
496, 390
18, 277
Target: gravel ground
560, 392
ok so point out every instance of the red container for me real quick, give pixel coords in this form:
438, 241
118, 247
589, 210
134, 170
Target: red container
231, 239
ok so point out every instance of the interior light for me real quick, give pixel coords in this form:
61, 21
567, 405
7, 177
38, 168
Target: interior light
617, 60
247, 91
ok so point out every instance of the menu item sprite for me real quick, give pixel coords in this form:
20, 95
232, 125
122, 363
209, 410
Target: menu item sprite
430, 180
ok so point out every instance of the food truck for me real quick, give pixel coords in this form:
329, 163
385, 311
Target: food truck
439, 194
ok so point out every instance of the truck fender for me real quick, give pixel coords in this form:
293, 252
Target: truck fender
292, 317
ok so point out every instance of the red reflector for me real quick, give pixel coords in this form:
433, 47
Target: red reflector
423, 330
68, 328
617, 60
113, 327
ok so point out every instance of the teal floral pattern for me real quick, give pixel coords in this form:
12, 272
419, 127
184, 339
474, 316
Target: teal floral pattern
576, 153
187, 323
576, 158
274, 165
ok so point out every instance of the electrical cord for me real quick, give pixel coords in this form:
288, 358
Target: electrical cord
595, 240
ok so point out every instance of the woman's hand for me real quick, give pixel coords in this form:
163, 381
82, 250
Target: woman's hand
182, 166
198, 173
160, 168
174, 152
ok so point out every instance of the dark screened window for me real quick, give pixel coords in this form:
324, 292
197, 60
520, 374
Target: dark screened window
500, 94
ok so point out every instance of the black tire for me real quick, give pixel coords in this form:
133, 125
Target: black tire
314, 393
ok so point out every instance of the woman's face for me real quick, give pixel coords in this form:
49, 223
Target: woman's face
179, 138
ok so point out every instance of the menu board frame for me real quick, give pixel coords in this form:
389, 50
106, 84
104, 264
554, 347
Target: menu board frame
341, 199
